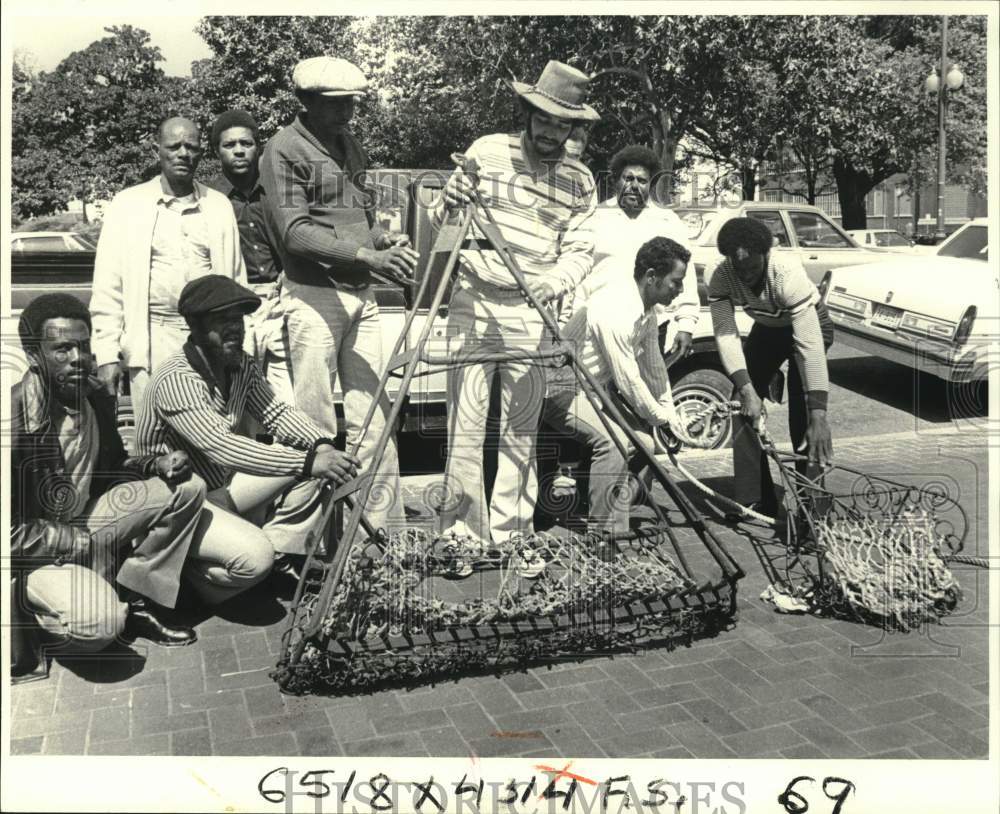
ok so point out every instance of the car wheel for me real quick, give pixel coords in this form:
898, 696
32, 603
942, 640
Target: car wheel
697, 389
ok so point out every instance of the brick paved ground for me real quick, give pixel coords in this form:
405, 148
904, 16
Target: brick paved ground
774, 686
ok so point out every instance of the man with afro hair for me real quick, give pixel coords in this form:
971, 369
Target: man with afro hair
790, 323
623, 223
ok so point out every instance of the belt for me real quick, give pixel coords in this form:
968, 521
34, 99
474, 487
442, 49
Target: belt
169, 320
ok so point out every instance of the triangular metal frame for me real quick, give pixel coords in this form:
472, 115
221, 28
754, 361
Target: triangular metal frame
354, 495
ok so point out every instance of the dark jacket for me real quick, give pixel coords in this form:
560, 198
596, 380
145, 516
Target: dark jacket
38, 470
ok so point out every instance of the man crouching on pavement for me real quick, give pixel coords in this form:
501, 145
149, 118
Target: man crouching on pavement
80, 506
263, 498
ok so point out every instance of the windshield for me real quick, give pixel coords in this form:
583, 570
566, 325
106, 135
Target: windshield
968, 242
890, 239
696, 220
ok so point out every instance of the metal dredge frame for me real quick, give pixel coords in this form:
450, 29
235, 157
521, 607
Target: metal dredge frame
707, 606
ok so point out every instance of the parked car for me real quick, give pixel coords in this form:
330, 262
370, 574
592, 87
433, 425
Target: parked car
50, 242
936, 313
799, 231
888, 240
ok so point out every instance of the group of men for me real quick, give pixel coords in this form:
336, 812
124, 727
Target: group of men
233, 309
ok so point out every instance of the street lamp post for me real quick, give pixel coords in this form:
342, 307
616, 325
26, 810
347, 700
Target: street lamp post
939, 82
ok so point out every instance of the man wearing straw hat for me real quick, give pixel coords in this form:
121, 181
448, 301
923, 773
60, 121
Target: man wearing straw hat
543, 202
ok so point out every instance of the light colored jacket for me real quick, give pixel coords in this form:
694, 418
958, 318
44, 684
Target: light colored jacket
119, 304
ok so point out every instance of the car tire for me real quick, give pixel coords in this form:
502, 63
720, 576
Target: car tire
701, 387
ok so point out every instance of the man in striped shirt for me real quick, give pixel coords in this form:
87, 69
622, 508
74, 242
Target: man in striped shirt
790, 323
543, 202
616, 338
262, 498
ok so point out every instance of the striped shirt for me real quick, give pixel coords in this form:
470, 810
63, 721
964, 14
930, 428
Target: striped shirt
184, 409
546, 220
788, 298
617, 339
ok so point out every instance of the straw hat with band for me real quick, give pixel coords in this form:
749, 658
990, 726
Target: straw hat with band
559, 91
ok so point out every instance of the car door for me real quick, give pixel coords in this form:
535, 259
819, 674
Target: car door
821, 244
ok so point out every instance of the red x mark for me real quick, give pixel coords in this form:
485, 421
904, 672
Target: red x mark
563, 773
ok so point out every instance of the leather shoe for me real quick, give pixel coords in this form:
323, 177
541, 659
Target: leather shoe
142, 622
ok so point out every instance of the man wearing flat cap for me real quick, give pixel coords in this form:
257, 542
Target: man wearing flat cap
543, 201
262, 498
157, 236
323, 217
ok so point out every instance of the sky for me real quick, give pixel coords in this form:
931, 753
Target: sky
51, 39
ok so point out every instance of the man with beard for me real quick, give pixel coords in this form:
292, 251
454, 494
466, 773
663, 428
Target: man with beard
86, 518
622, 224
263, 498
543, 202
157, 236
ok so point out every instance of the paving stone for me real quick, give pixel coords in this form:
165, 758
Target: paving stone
27, 746
736, 672
959, 739
699, 741
766, 693
764, 715
611, 695
147, 725
827, 708
405, 744
751, 656
279, 745
191, 742
252, 644
185, 681
631, 677
522, 682
470, 720
713, 716
886, 712
350, 722
785, 672
934, 750
574, 676
151, 701
672, 753
73, 742
637, 743
531, 719
893, 754
444, 741
410, 721
955, 712
80, 703
147, 745
29, 702
573, 741
826, 737
723, 691
229, 724
770, 738
109, 724
442, 697
664, 716
803, 751
318, 742
682, 674
661, 696
208, 700
508, 747
887, 736
264, 701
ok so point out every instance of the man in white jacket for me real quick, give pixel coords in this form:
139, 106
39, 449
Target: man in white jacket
156, 236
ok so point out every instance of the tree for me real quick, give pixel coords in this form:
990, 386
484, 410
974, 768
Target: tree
86, 129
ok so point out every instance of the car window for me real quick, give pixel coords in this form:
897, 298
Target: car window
890, 239
815, 232
81, 243
969, 242
772, 219
43, 244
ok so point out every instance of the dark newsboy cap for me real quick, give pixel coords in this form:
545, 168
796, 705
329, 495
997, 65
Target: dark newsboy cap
214, 292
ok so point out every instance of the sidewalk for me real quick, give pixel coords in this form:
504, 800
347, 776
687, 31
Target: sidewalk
773, 686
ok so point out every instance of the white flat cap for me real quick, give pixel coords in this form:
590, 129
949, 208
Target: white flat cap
329, 76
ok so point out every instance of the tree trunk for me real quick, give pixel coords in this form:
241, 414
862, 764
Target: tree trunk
748, 182
665, 183
852, 186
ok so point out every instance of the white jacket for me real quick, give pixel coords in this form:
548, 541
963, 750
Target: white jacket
119, 303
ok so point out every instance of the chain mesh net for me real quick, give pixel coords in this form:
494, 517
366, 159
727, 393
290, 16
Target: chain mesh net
891, 569
387, 620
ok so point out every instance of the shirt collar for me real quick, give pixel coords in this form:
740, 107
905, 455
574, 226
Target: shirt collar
39, 409
166, 195
222, 184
